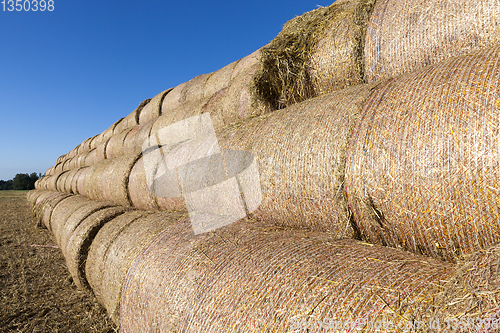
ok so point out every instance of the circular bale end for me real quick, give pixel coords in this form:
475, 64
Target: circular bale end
62, 211
80, 241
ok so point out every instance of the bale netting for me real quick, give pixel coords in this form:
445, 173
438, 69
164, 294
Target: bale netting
92, 180
115, 178
187, 92
259, 278
404, 36
114, 148
81, 182
74, 180
114, 249
74, 220
43, 209
79, 242
62, 211
422, 169
316, 53
140, 194
91, 158
300, 160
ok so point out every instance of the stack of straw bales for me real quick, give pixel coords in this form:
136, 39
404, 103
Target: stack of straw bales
374, 130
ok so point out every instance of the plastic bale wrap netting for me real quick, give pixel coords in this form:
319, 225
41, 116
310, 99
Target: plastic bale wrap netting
114, 249
254, 278
423, 165
403, 36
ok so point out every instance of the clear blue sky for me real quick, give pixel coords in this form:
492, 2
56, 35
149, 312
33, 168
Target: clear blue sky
69, 74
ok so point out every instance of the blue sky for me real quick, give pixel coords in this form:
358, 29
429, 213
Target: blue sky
69, 74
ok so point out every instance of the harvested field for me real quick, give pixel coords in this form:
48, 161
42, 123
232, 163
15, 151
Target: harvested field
36, 290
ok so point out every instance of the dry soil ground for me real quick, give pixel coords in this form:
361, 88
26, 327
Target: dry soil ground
37, 293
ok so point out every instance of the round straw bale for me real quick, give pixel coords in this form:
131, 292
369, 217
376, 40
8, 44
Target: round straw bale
173, 99
316, 53
66, 164
62, 211
246, 62
94, 179
93, 142
69, 181
81, 239
422, 169
74, 180
101, 151
79, 149
60, 159
249, 278
91, 157
35, 196
133, 119
115, 144
152, 110
115, 178
300, 153
82, 181
135, 138
403, 36
237, 101
59, 167
75, 218
473, 290
44, 208
112, 252
218, 80
49, 171
141, 196
61, 181
108, 133
120, 126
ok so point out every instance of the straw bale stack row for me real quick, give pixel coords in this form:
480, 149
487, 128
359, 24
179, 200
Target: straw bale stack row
374, 126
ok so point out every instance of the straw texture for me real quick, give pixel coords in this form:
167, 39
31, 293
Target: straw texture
44, 205
422, 171
403, 36
114, 249
300, 153
81, 239
316, 53
114, 180
218, 80
152, 110
114, 147
141, 196
246, 278
62, 211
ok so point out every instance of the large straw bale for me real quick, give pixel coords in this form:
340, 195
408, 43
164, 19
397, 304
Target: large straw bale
152, 110
316, 53
101, 150
136, 137
62, 211
300, 153
93, 142
173, 99
91, 157
92, 180
61, 180
253, 278
404, 36
74, 180
114, 179
81, 183
115, 144
74, 220
50, 171
59, 167
43, 209
121, 126
218, 80
132, 119
114, 249
69, 181
422, 171
473, 292
140, 194
246, 62
81, 239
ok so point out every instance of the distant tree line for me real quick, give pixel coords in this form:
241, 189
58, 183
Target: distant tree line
22, 181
